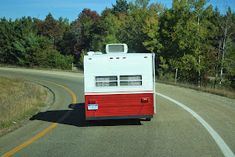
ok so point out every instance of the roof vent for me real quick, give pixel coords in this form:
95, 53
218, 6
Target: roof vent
90, 53
116, 48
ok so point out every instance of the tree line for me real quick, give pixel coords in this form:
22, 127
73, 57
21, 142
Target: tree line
192, 40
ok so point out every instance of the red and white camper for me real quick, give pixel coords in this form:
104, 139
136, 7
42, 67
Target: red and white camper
119, 85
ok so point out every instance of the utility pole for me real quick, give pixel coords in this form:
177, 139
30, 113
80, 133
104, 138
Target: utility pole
176, 75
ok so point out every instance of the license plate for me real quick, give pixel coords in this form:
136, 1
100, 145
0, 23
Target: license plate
92, 106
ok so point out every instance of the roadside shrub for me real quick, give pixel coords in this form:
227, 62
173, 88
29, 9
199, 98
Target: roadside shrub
60, 61
51, 58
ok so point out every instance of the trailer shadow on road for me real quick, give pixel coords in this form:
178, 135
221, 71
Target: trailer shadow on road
75, 115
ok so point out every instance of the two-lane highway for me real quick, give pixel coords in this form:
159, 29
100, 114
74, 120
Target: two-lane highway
172, 132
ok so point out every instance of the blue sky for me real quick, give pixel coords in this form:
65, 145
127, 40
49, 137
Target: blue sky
71, 8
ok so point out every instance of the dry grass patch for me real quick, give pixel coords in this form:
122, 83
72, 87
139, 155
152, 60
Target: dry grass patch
19, 99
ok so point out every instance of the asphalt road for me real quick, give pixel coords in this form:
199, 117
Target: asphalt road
172, 132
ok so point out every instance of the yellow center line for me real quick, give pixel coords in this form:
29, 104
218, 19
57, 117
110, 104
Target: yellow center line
72, 94
44, 131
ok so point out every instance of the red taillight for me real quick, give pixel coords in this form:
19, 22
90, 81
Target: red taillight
144, 100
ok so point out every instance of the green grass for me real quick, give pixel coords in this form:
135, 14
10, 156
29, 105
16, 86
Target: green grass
19, 99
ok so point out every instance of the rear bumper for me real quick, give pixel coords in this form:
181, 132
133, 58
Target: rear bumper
118, 117
120, 106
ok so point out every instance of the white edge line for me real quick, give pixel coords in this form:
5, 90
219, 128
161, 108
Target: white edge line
219, 141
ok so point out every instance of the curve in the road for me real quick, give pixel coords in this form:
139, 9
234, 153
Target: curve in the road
46, 130
220, 142
140, 135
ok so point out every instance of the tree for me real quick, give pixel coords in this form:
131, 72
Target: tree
85, 27
194, 42
140, 4
227, 30
22, 39
109, 27
185, 30
67, 44
121, 7
6, 39
133, 27
151, 29
48, 27
52, 28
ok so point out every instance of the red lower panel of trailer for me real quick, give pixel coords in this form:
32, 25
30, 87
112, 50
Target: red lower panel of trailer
114, 106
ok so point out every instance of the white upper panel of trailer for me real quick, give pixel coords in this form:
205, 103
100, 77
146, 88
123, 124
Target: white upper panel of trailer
118, 64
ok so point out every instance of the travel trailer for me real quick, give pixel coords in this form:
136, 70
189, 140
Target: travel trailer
118, 84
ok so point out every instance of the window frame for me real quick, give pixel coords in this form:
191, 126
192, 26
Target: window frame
106, 81
118, 81
140, 80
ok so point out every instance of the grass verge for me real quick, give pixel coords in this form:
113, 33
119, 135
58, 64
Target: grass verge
19, 100
74, 70
218, 91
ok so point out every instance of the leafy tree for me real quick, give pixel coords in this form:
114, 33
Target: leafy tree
184, 33
133, 27
52, 28
48, 27
151, 29
85, 27
109, 27
67, 44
